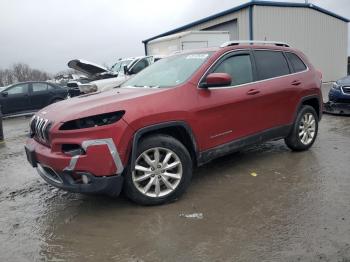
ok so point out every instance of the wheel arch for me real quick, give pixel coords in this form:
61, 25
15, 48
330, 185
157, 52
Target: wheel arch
55, 98
177, 129
313, 101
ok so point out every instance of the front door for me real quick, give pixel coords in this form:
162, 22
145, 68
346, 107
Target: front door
16, 99
229, 113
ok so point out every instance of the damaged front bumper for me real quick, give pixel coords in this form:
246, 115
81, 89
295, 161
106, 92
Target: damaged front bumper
336, 108
82, 182
80, 173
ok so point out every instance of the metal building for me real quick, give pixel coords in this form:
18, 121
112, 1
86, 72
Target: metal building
319, 33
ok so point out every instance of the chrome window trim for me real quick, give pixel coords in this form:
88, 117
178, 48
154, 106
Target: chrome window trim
253, 82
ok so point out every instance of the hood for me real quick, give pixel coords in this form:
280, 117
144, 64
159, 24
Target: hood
95, 103
86, 67
344, 81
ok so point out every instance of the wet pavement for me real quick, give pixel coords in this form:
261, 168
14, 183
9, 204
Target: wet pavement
296, 207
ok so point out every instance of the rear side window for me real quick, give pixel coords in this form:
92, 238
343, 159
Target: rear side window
39, 87
297, 64
270, 64
239, 67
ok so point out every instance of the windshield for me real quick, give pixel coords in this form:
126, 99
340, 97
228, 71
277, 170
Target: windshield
170, 71
119, 65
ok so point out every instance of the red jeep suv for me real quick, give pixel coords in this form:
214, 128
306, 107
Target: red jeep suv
183, 111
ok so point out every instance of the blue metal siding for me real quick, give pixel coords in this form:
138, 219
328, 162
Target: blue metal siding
250, 5
251, 30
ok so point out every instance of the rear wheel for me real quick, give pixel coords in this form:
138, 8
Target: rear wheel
304, 130
163, 170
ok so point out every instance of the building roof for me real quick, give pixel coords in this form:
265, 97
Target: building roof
185, 33
248, 4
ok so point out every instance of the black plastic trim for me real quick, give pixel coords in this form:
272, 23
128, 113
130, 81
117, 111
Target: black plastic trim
234, 146
109, 185
305, 98
159, 126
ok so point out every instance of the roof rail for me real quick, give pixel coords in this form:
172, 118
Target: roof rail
231, 43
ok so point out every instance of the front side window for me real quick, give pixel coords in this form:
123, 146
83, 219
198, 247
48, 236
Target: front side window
170, 71
39, 87
297, 64
117, 67
270, 64
18, 89
140, 65
239, 67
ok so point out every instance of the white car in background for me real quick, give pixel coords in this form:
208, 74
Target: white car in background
102, 78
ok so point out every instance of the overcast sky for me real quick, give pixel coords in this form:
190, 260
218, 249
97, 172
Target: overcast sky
46, 34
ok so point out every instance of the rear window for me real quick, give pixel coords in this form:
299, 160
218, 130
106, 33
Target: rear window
297, 64
270, 64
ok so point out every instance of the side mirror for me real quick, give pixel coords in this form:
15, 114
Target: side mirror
216, 80
4, 94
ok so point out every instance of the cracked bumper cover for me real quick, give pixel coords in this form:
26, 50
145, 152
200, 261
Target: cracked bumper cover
100, 166
110, 185
336, 108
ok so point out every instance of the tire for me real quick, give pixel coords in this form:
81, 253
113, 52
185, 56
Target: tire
304, 131
170, 184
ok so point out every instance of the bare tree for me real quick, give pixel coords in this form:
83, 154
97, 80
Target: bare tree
20, 72
6, 77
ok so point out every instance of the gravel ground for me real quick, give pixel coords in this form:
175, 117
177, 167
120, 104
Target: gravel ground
294, 208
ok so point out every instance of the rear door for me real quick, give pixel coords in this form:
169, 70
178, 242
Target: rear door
278, 88
39, 95
229, 113
16, 99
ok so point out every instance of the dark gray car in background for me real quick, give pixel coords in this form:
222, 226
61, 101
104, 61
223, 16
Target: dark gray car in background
29, 96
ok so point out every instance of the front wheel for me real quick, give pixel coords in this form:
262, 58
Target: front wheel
304, 131
162, 172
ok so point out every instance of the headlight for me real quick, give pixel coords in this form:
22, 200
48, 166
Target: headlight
93, 121
336, 86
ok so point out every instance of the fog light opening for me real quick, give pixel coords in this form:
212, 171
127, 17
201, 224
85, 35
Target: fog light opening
85, 179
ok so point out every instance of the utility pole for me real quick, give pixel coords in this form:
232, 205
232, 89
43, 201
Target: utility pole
1, 129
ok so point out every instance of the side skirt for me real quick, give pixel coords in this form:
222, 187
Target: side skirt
270, 134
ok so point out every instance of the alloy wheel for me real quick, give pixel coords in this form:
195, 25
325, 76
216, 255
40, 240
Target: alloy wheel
158, 172
307, 128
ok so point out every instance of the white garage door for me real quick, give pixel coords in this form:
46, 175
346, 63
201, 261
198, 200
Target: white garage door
188, 45
230, 26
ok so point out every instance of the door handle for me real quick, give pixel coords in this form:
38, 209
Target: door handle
296, 82
253, 92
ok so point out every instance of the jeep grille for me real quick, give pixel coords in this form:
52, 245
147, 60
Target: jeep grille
39, 129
